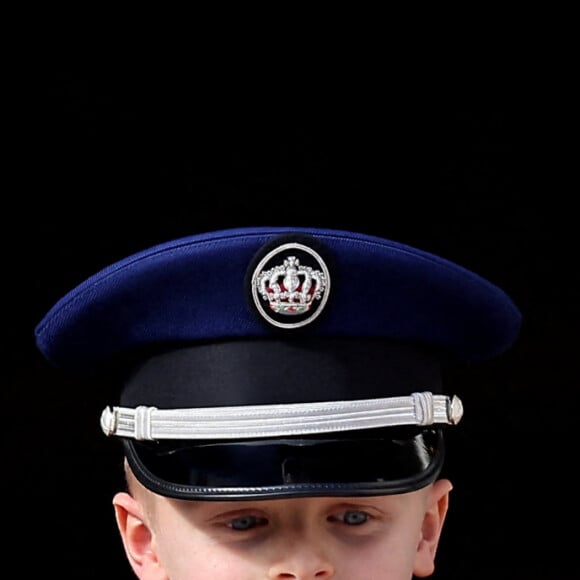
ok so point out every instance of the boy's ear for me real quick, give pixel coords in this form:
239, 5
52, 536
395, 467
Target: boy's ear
437, 505
137, 537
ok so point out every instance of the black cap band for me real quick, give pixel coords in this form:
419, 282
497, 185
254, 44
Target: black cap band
263, 372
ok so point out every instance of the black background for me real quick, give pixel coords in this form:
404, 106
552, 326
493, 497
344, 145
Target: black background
108, 160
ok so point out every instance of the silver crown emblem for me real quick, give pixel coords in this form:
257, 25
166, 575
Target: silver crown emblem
289, 288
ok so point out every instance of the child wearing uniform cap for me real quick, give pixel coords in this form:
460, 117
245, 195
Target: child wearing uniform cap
282, 414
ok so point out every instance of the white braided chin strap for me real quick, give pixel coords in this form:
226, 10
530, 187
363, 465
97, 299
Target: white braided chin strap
245, 422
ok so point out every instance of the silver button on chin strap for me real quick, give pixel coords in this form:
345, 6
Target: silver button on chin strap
245, 422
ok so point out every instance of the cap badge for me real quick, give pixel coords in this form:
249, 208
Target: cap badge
290, 285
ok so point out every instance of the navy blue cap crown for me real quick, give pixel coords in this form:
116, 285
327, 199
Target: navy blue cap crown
252, 283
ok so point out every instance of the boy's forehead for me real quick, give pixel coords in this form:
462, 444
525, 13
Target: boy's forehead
385, 503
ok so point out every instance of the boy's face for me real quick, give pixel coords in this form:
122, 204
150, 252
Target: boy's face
346, 538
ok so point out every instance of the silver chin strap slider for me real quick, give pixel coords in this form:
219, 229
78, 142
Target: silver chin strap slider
109, 420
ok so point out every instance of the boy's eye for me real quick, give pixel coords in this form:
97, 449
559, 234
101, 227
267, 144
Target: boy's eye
352, 517
244, 523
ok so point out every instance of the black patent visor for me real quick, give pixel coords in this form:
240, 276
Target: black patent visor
367, 462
